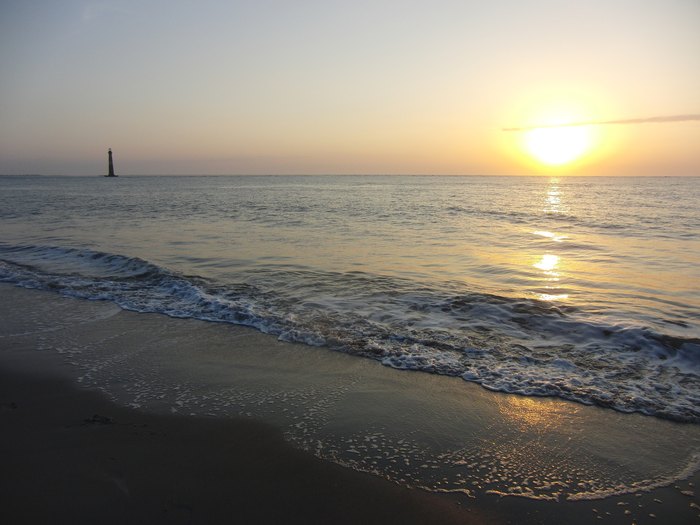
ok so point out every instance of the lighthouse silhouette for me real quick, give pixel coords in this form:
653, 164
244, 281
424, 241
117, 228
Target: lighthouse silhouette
111, 164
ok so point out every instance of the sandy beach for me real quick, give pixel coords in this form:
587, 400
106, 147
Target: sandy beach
71, 456
74, 454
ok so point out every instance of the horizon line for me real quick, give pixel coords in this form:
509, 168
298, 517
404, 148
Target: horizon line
129, 175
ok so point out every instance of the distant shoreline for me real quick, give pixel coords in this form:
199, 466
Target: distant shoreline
411, 175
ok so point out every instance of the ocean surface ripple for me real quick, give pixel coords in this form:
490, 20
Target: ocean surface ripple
586, 289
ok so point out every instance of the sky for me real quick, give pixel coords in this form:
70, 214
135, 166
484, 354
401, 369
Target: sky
340, 87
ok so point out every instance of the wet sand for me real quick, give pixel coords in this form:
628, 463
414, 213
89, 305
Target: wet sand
71, 455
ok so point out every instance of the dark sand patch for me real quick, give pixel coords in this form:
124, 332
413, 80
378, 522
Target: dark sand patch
72, 456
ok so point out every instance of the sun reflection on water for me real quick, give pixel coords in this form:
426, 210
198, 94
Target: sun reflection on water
549, 263
531, 414
552, 200
551, 235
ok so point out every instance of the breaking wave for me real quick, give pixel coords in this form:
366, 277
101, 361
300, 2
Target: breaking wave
511, 345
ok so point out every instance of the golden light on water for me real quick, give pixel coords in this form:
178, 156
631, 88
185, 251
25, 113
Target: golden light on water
550, 235
540, 416
548, 263
553, 201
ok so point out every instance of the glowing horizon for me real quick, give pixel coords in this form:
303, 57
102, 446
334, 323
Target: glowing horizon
644, 120
327, 88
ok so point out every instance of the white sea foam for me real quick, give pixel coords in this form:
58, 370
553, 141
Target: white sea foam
510, 345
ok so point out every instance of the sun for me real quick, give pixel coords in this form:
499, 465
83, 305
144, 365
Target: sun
560, 145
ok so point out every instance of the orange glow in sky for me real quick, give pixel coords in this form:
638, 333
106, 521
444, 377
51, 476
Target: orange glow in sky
278, 87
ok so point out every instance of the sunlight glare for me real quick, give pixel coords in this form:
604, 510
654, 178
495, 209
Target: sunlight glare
548, 262
558, 145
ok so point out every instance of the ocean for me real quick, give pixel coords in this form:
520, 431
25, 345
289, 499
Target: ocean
585, 289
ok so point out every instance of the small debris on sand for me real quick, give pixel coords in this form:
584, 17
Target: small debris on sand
97, 419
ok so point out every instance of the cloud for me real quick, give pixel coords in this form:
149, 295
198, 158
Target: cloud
646, 120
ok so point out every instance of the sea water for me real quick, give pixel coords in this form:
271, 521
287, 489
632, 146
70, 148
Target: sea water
586, 289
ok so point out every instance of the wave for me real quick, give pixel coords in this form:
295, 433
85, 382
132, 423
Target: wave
510, 345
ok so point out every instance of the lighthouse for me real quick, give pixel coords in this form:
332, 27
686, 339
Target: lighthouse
111, 164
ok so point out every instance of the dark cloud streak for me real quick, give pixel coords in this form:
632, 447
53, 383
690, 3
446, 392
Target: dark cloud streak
647, 120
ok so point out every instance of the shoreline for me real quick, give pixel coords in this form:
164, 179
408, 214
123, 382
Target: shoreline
71, 456
62, 461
